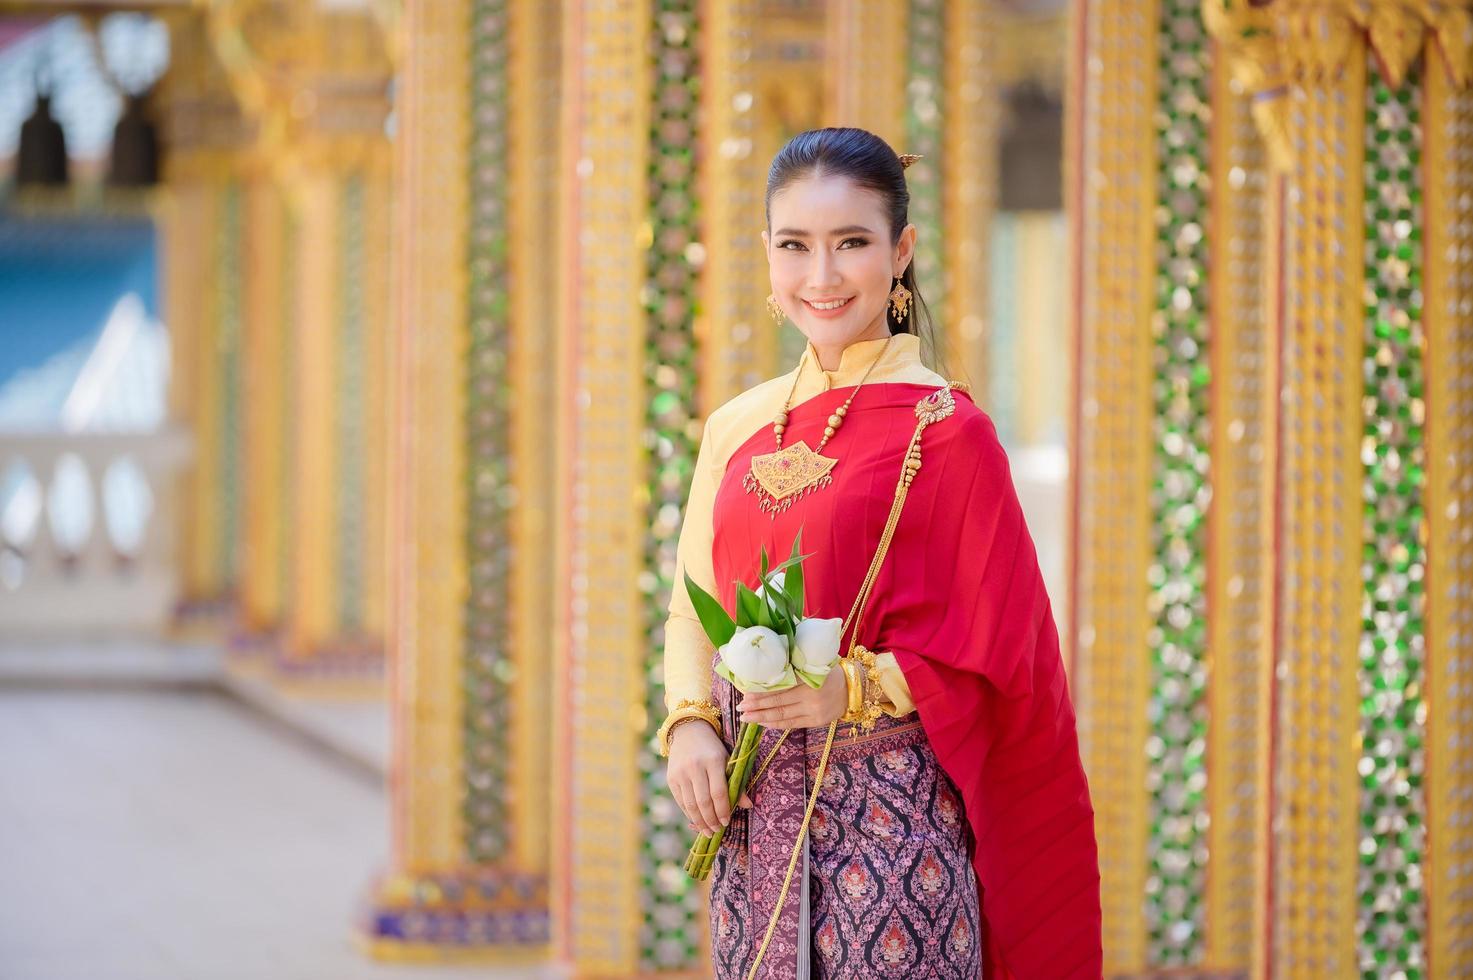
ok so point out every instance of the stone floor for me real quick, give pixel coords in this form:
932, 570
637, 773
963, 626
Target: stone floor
176, 835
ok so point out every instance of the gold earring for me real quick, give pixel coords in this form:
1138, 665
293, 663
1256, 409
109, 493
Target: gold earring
773, 310
900, 300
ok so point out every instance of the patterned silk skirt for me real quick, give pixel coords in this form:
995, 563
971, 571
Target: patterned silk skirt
884, 887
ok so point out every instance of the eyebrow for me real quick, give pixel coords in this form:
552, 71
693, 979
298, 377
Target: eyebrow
848, 230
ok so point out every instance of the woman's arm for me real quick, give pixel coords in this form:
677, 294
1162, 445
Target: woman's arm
688, 651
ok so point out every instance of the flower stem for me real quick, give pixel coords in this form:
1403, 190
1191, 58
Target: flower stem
703, 852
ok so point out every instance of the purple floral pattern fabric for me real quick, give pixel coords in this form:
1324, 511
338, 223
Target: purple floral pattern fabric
891, 892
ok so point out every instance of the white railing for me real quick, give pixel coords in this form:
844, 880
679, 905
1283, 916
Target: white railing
87, 524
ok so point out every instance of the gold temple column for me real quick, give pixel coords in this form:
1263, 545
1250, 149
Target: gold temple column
467, 868
318, 82
866, 54
533, 65
969, 123
599, 629
201, 244
1111, 192
921, 75
762, 85
312, 617
268, 324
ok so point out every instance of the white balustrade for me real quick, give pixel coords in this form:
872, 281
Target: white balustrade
87, 532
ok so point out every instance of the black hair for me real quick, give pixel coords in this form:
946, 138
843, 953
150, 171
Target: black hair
871, 163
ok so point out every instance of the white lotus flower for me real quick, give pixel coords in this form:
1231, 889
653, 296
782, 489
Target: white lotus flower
756, 659
816, 648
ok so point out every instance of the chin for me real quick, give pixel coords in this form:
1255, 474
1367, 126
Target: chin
830, 333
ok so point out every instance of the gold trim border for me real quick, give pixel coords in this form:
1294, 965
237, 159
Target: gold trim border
1447, 126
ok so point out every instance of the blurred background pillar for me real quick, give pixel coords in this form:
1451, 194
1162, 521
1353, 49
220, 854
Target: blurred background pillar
1172, 512
1367, 111
270, 323
471, 411
600, 623
763, 83
1269, 287
202, 225
923, 75
318, 80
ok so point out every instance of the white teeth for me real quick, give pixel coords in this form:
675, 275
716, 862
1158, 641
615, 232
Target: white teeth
829, 306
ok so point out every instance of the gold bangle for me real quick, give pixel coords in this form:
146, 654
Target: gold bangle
869, 711
854, 682
685, 710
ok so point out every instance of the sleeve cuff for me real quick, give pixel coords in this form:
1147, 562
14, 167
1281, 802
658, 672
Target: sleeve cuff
892, 682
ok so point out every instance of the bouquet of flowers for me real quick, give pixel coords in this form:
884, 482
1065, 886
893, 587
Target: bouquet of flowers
769, 646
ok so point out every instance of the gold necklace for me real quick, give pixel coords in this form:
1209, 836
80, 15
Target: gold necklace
781, 477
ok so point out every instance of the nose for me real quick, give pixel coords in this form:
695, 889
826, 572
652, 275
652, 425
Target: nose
824, 270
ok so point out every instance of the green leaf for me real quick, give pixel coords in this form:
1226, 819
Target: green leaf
751, 611
793, 578
717, 624
762, 558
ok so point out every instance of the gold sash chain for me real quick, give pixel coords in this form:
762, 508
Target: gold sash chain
933, 408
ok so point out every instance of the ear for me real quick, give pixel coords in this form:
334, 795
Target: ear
767, 244
905, 250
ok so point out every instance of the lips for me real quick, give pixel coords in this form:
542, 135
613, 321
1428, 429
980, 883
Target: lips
828, 305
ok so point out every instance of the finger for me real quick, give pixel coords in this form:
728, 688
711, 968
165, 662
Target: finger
720, 795
745, 801
705, 808
768, 699
770, 717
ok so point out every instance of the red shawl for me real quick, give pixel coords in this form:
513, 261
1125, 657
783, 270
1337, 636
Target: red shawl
961, 603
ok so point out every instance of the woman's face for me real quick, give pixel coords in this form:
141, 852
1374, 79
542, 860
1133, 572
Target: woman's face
831, 261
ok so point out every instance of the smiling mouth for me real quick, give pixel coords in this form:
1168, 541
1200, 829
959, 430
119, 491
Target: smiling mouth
829, 305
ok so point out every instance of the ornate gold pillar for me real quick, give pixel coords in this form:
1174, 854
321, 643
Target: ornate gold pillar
1293, 485
599, 629
867, 49
921, 75
202, 225
1111, 192
318, 81
269, 323
763, 85
532, 60
469, 704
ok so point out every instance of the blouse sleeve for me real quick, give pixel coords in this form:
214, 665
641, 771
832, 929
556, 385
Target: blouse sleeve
898, 701
688, 651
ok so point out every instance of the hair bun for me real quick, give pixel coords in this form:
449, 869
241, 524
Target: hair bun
906, 159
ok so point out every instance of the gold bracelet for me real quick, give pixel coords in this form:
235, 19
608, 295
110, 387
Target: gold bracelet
869, 711
854, 683
685, 710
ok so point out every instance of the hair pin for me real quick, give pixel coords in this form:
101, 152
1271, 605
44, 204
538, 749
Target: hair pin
906, 159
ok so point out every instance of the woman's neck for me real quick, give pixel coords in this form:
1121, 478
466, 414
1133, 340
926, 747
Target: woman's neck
830, 356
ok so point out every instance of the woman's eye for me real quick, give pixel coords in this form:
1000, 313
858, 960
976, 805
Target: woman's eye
790, 241
856, 242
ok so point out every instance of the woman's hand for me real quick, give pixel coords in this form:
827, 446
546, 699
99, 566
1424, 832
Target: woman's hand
800, 706
697, 776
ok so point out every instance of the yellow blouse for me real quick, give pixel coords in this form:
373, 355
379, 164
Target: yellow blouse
688, 651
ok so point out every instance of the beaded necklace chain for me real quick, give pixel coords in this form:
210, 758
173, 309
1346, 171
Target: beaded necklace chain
781, 477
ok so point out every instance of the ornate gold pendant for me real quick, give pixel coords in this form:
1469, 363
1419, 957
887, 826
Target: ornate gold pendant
782, 477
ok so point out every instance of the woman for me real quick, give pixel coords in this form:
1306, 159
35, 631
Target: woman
955, 837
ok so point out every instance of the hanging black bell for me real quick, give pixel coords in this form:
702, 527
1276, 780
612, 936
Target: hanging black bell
135, 152
42, 158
